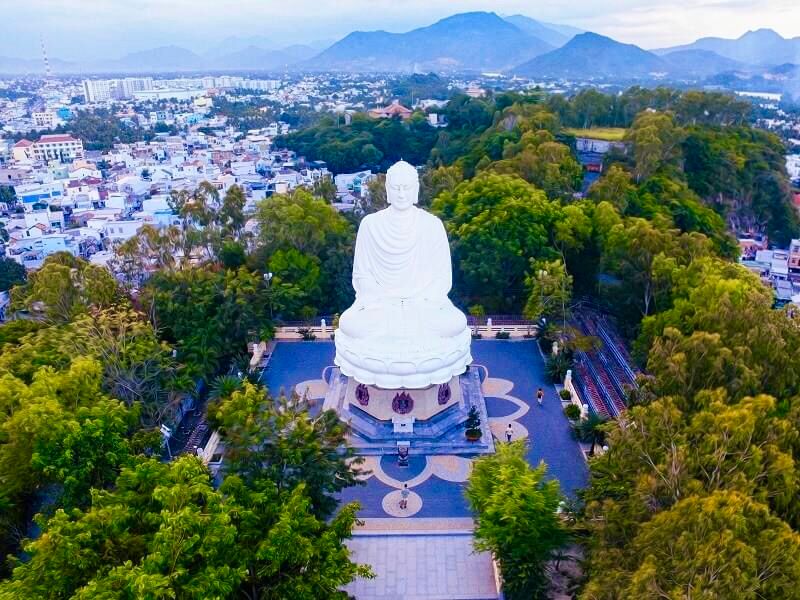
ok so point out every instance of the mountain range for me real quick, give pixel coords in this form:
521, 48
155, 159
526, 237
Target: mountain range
475, 41
760, 47
468, 41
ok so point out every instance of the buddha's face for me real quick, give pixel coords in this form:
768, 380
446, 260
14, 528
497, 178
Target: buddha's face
401, 194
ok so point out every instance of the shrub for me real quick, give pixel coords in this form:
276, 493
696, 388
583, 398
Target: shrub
565, 394
572, 412
472, 426
557, 366
502, 335
307, 334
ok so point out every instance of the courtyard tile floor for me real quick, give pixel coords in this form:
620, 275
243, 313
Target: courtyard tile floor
515, 371
425, 552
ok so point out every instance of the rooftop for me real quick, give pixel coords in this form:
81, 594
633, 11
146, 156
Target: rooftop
56, 138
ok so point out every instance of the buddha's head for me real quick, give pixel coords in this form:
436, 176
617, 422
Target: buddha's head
402, 186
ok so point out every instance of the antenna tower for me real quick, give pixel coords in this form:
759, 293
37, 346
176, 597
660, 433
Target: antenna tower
47, 70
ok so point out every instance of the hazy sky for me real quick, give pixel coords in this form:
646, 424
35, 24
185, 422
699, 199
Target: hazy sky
82, 29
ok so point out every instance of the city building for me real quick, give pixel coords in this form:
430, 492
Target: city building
44, 119
97, 90
60, 147
395, 109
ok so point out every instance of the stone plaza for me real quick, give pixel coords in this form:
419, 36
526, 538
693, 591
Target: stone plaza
437, 512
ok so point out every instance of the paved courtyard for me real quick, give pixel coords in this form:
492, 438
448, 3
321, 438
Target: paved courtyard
514, 371
422, 566
424, 551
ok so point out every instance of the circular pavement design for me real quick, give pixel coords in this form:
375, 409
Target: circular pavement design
315, 388
500, 407
451, 468
494, 386
368, 467
391, 504
416, 465
498, 427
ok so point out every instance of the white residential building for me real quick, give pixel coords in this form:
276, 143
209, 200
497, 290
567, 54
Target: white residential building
119, 231
49, 147
44, 119
97, 90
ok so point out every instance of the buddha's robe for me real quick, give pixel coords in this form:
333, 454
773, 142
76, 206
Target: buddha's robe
402, 275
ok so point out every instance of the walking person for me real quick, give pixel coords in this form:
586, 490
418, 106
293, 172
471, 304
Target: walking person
509, 433
404, 493
540, 396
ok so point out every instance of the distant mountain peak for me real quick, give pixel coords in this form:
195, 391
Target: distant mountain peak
756, 47
591, 55
763, 33
462, 42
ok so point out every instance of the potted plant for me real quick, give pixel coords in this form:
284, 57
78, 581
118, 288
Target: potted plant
503, 335
565, 394
472, 426
307, 334
572, 412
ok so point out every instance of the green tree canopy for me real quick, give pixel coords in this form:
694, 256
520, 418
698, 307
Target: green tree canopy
496, 224
516, 518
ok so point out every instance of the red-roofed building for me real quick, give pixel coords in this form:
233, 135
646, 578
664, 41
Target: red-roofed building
797, 201
49, 147
23, 150
395, 109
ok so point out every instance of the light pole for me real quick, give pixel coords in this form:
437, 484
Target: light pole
268, 281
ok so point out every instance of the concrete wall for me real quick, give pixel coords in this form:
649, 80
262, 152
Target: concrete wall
487, 331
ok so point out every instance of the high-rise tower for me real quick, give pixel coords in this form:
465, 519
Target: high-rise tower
48, 72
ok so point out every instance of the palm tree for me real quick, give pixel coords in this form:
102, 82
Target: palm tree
591, 430
223, 386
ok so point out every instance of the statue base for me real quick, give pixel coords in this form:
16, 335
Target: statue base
428, 421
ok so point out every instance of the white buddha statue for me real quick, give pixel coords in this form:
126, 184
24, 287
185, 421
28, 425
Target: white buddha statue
402, 331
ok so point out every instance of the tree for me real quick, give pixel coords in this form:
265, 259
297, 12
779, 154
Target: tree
614, 187
375, 197
286, 551
656, 143
231, 215
209, 315
590, 106
11, 273
741, 172
325, 188
550, 290
66, 286
539, 159
165, 531
591, 431
295, 285
496, 223
312, 227
516, 518
137, 368
721, 546
84, 451
280, 440
640, 252
8, 195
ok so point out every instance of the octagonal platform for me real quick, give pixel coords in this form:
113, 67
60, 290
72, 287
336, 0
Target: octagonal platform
431, 420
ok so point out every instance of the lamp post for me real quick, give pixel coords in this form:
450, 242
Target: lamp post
268, 281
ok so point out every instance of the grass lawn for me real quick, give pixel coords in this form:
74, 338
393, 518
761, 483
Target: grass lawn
608, 134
